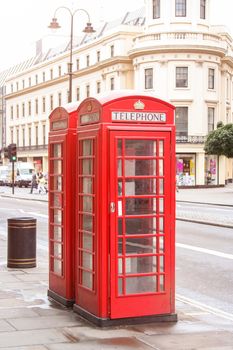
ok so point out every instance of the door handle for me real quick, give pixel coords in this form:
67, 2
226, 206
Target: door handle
112, 207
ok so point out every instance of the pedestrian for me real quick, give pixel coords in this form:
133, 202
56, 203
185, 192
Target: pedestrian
41, 184
34, 182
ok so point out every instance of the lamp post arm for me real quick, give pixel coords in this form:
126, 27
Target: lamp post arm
83, 10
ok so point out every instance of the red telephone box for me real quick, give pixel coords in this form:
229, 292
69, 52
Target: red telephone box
62, 158
125, 245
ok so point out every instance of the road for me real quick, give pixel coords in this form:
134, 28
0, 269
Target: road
204, 256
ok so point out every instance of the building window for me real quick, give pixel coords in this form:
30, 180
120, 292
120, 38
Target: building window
17, 86
78, 94
36, 106
210, 119
12, 136
149, 78
23, 134
51, 74
181, 77
17, 111
29, 82
59, 99
36, 135
17, 137
185, 169
12, 88
98, 56
43, 105
51, 102
30, 136
44, 134
203, 9
88, 60
112, 84
180, 8
23, 84
29, 108
23, 109
77, 64
98, 87
59, 71
181, 121
43, 75
88, 90
112, 53
36, 79
156, 9
12, 112
211, 78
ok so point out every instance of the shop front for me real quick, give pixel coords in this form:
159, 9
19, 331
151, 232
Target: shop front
185, 169
211, 170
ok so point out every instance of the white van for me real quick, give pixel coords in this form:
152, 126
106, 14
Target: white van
3, 175
23, 173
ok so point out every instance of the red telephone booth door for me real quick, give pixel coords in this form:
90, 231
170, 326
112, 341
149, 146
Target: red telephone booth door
140, 230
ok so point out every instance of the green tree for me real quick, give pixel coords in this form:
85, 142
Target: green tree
220, 141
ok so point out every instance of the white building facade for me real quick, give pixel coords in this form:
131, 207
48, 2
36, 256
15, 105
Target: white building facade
168, 49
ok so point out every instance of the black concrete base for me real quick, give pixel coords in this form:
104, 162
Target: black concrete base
106, 322
59, 299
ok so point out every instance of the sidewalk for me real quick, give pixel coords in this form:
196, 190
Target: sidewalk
28, 321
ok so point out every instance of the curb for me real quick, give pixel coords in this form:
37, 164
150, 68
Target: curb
204, 203
204, 222
24, 198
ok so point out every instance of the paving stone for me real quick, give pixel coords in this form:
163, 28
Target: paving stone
33, 277
5, 327
200, 341
39, 347
44, 322
16, 313
104, 344
51, 310
32, 337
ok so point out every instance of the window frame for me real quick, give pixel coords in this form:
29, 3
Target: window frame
182, 76
210, 116
202, 9
211, 79
148, 78
156, 9
180, 8
182, 124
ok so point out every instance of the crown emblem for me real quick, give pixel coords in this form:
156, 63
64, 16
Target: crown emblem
89, 107
139, 105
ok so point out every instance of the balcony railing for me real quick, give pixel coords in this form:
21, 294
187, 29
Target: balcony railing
32, 148
190, 139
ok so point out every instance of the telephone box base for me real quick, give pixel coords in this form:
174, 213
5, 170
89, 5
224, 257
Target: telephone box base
59, 299
106, 322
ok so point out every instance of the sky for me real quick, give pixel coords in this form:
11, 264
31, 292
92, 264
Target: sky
23, 22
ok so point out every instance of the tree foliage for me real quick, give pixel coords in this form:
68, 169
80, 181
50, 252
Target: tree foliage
220, 141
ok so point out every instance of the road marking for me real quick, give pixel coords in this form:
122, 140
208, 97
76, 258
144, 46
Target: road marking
205, 307
206, 251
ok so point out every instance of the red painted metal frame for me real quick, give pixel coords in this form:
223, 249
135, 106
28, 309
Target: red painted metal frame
101, 302
63, 121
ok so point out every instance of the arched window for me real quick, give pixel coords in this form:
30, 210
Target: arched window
203, 9
156, 9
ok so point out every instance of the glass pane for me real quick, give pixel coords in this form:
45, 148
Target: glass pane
161, 244
138, 167
141, 264
119, 188
161, 186
161, 171
57, 250
140, 245
57, 233
120, 286
57, 215
57, 166
141, 284
57, 200
87, 185
140, 226
120, 246
120, 227
87, 241
87, 148
87, 279
57, 267
161, 205
87, 222
140, 186
87, 204
119, 147
161, 263
162, 283
140, 206
119, 167
87, 260
57, 183
161, 151
140, 148
161, 224
87, 166
57, 150
120, 270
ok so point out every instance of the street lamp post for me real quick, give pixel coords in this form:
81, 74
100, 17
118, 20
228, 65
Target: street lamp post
88, 29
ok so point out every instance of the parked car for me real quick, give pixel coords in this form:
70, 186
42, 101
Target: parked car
3, 175
22, 174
